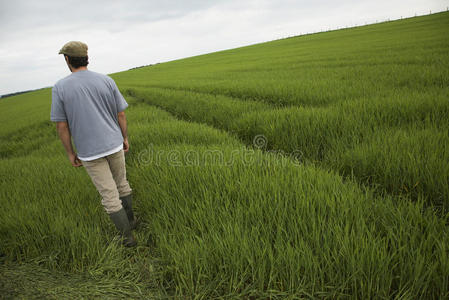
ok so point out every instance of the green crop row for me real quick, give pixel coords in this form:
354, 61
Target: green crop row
316, 70
220, 220
370, 103
395, 143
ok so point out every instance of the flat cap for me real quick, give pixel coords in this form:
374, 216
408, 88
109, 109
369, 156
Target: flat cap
74, 49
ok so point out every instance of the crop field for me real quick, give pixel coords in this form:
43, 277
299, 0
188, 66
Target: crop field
309, 167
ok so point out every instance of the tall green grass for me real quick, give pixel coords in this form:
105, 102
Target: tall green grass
327, 96
274, 229
229, 222
316, 70
415, 166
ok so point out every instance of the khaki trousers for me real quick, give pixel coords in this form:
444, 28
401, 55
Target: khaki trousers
109, 177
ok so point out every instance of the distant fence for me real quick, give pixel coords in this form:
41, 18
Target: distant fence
357, 25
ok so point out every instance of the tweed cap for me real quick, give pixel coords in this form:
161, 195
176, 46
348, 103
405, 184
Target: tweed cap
74, 49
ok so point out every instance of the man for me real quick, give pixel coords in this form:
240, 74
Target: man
89, 107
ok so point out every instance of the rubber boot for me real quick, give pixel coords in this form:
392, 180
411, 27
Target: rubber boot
120, 219
127, 205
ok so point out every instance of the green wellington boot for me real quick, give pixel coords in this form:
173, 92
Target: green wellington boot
120, 219
127, 205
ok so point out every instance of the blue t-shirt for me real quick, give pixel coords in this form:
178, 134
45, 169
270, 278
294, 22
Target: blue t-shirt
89, 102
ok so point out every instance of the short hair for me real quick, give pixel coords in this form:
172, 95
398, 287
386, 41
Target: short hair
77, 62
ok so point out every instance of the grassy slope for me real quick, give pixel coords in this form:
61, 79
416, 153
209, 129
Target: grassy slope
369, 102
263, 227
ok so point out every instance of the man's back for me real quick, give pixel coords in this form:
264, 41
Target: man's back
89, 102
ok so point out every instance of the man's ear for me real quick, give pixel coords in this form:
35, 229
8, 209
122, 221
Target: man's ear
68, 64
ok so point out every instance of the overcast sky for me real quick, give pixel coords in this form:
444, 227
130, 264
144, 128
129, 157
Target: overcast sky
126, 34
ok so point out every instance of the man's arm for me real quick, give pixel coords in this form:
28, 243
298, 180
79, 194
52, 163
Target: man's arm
123, 126
66, 139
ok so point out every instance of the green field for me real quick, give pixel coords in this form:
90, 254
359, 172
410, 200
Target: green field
310, 167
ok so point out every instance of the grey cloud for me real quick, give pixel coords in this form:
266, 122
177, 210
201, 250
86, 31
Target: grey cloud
22, 14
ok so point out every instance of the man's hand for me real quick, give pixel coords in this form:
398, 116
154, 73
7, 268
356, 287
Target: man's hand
123, 127
66, 139
74, 160
125, 145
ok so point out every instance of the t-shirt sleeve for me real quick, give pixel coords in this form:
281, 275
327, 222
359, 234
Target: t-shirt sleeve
118, 97
57, 107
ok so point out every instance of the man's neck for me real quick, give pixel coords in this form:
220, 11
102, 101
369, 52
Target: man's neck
79, 69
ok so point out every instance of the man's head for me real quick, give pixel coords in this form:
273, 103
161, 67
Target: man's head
75, 54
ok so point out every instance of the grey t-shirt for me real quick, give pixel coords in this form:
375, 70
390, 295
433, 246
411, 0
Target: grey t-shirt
89, 102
